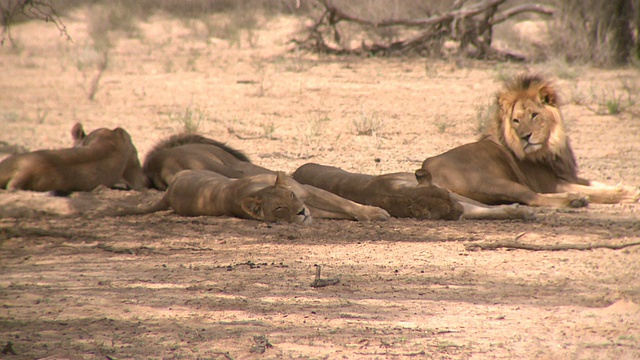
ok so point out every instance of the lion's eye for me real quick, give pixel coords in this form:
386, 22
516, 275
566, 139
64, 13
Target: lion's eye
516, 121
292, 195
534, 115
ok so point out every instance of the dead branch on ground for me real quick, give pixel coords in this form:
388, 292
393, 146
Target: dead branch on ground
513, 244
466, 24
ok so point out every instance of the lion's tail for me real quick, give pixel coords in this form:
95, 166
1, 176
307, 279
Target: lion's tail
161, 205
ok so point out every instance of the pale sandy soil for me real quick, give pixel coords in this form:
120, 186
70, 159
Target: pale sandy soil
74, 284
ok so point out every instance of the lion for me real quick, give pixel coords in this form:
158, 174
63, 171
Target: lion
104, 157
195, 152
202, 192
404, 194
524, 157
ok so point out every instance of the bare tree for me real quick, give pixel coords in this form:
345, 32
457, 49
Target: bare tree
31, 9
470, 25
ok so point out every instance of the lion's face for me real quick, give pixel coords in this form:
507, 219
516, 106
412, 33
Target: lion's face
282, 205
529, 122
277, 203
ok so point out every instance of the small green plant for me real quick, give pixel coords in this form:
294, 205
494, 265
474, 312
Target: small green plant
268, 130
192, 60
92, 59
313, 128
191, 119
484, 114
503, 73
261, 70
559, 66
608, 103
41, 115
613, 105
168, 65
368, 124
632, 90
442, 126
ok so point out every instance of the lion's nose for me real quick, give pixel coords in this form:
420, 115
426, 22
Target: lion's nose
303, 212
526, 137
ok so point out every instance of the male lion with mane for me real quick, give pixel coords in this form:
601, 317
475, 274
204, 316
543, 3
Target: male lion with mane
524, 157
104, 157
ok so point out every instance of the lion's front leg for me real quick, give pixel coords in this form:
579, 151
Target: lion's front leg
478, 211
600, 193
323, 204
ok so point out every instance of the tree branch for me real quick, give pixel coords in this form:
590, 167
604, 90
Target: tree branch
466, 24
32, 9
536, 8
512, 244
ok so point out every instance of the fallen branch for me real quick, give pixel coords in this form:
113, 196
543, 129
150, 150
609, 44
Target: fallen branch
512, 244
337, 15
468, 24
29, 232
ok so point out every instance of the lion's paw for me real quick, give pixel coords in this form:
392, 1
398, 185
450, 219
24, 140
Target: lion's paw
516, 211
373, 213
629, 194
577, 200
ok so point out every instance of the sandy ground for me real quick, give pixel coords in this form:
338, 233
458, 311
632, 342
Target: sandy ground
77, 285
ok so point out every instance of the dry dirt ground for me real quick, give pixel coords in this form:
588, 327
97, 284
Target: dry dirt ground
78, 285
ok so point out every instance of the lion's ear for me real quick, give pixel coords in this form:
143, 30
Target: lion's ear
253, 207
423, 176
77, 132
281, 180
548, 95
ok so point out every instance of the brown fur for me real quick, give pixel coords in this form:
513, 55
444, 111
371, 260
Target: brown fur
195, 152
398, 193
525, 156
104, 157
202, 192
403, 194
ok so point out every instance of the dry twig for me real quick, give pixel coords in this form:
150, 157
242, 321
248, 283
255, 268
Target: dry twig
513, 244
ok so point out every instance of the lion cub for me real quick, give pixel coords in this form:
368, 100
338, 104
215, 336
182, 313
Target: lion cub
202, 192
104, 157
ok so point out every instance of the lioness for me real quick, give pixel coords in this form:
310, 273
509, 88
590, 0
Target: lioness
403, 194
104, 157
202, 192
524, 157
195, 152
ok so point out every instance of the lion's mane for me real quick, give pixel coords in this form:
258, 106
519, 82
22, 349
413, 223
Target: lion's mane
556, 152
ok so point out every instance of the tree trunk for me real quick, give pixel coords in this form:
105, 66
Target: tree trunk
621, 26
